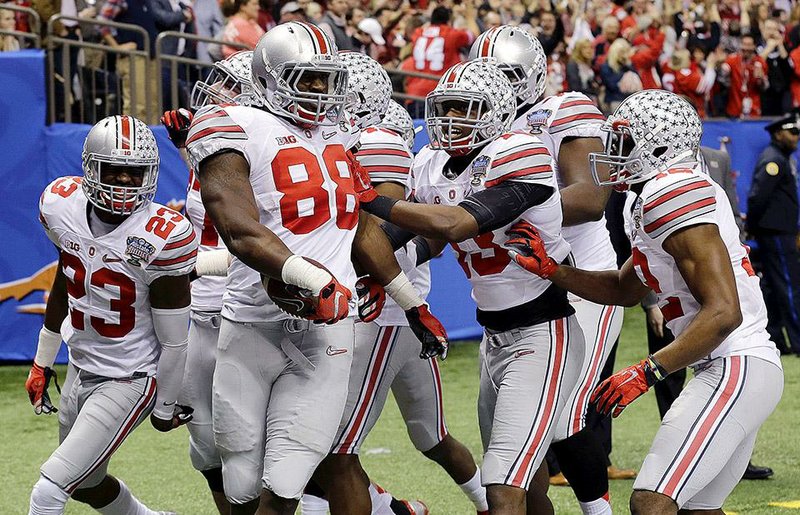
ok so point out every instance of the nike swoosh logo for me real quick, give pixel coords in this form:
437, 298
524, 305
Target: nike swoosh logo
328, 135
333, 351
630, 378
107, 259
336, 299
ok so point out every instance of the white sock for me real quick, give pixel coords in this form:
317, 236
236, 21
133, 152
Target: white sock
600, 506
476, 492
125, 504
313, 505
381, 500
47, 498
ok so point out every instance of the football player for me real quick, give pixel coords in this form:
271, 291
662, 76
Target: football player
686, 249
277, 184
228, 82
122, 285
569, 126
386, 351
471, 183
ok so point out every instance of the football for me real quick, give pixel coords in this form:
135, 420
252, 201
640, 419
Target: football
289, 298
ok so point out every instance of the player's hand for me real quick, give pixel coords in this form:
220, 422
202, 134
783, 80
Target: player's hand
655, 319
619, 390
37, 383
180, 416
526, 247
429, 331
177, 122
361, 181
331, 304
371, 298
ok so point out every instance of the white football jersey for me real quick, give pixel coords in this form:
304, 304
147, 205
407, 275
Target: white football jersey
386, 158
303, 187
497, 282
681, 198
110, 329
207, 291
553, 119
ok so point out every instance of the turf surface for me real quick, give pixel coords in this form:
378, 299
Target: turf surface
157, 468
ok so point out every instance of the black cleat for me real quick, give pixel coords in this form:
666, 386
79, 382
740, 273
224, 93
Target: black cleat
756, 472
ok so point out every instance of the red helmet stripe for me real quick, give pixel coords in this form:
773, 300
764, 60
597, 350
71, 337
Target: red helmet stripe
125, 139
320, 37
452, 76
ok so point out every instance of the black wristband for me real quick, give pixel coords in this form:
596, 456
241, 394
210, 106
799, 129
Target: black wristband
380, 207
653, 371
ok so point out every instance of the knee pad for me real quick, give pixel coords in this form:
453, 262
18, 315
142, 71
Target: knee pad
214, 479
47, 498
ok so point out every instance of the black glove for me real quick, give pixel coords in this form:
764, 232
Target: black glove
177, 122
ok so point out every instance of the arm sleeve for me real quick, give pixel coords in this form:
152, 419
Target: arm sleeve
179, 255
682, 202
172, 331
497, 207
214, 130
397, 237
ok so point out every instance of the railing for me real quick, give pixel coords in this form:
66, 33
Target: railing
183, 71
34, 22
94, 90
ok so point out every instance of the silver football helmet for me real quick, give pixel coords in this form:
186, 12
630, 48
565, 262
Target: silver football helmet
519, 55
472, 104
369, 89
650, 132
229, 81
298, 74
398, 120
120, 141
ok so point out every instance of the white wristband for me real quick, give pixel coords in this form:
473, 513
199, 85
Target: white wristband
212, 262
49, 343
403, 292
306, 275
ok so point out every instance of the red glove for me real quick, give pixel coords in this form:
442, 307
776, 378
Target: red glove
527, 248
624, 387
429, 331
177, 122
371, 298
332, 303
36, 385
361, 180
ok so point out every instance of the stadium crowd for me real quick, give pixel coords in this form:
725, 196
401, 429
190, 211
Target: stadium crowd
734, 58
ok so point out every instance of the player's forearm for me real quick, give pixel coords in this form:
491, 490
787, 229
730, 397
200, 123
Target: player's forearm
581, 203
598, 287
172, 330
57, 303
372, 251
449, 223
706, 332
255, 245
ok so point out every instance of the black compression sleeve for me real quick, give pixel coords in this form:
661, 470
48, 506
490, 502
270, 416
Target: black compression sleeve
397, 236
500, 205
423, 250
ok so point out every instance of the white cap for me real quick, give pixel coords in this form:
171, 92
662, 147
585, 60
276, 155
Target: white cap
290, 7
372, 27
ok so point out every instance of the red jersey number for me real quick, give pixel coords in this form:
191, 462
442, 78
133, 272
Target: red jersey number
304, 204
163, 223
65, 187
75, 273
481, 262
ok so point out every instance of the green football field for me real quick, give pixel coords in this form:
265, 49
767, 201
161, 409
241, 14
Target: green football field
157, 468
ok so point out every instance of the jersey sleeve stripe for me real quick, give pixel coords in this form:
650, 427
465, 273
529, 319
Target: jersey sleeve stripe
182, 243
533, 170
696, 208
383, 168
218, 113
232, 129
698, 184
579, 102
381, 152
520, 154
179, 259
577, 117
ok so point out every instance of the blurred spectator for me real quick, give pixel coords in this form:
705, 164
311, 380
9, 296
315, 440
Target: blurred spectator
744, 73
436, 47
692, 79
639, 8
618, 76
609, 34
794, 64
208, 24
775, 99
353, 18
292, 12
580, 75
491, 20
145, 70
647, 41
172, 15
314, 12
335, 24
8, 43
699, 28
550, 31
242, 26
369, 35
265, 15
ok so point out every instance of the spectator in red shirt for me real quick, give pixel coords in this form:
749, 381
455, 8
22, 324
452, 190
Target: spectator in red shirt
437, 46
745, 74
639, 8
691, 80
794, 63
647, 41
